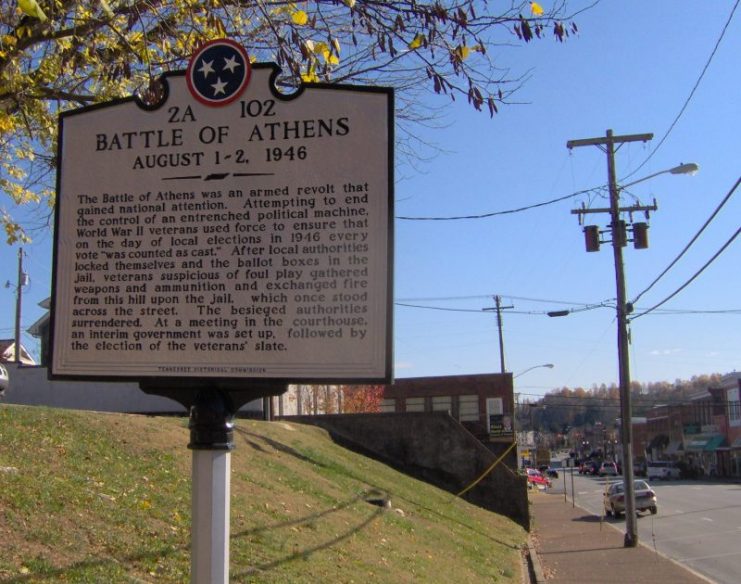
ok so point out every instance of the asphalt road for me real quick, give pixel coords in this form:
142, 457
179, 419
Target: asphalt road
698, 523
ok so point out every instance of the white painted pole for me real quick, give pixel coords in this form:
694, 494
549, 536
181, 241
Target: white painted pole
211, 475
211, 440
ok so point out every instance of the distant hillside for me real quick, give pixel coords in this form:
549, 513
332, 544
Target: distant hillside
95, 498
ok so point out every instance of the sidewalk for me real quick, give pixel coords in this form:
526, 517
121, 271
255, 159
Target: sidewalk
572, 547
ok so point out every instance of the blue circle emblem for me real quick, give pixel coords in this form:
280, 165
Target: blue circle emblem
218, 72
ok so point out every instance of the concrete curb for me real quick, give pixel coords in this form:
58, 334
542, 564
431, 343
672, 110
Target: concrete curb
533, 563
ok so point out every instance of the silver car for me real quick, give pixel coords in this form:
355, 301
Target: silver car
4, 379
614, 498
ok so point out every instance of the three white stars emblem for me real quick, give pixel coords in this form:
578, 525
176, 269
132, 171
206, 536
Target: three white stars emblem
219, 72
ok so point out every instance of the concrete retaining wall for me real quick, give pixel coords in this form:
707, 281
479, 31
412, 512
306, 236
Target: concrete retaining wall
435, 448
30, 386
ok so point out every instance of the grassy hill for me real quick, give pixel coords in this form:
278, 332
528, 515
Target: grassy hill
87, 497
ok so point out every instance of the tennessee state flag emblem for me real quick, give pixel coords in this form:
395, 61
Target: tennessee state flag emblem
218, 72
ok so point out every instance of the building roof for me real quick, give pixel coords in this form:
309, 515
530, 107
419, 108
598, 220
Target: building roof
7, 352
485, 384
37, 328
731, 380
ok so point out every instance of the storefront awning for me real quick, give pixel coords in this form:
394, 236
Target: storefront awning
708, 442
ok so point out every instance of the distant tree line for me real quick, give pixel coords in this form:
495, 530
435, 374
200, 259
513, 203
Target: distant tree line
565, 408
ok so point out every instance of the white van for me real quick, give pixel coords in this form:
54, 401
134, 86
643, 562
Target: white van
662, 469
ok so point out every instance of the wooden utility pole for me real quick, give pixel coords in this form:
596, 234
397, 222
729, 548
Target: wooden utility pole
607, 145
18, 292
499, 308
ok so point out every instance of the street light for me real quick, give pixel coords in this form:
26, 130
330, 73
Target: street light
607, 144
689, 168
547, 365
517, 405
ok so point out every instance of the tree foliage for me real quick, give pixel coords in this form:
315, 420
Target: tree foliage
358, 399
333, 399
61, 54
577, 408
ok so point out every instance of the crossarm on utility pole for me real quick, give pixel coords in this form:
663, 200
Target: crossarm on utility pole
609, 139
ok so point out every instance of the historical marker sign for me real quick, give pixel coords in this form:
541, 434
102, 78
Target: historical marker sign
231, 232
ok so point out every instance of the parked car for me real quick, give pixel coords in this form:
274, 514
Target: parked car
662, 469
589, 467
614, 498
4, 379
536, 478
608, 469
585, 467
548, 471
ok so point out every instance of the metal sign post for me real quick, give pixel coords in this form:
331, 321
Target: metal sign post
212, 405
211, 439
210, 522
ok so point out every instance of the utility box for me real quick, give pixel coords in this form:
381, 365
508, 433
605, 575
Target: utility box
591, 237
640, 235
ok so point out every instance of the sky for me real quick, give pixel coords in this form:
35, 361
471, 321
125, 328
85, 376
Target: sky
635, 67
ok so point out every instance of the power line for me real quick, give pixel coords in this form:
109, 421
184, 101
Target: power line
488, 296
497, 213
671, 312
584, 308
691, 242
478, 310
694, 276
691, 95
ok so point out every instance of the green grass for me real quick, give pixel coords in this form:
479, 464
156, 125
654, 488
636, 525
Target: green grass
88, 497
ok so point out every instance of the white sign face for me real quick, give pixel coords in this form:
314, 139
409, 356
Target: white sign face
252, 239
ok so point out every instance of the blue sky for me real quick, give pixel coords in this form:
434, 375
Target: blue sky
631, 69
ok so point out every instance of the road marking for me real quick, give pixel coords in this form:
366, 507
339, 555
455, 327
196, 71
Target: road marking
698, 558
715, 534
706, 519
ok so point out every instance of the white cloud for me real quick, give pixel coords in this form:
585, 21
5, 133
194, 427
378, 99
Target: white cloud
664, 352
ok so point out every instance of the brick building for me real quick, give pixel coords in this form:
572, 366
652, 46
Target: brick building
482, 403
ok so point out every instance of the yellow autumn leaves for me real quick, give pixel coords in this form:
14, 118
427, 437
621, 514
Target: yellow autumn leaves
31, 8
320, 50
327, 52
418, 40
463, 51
299, 17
